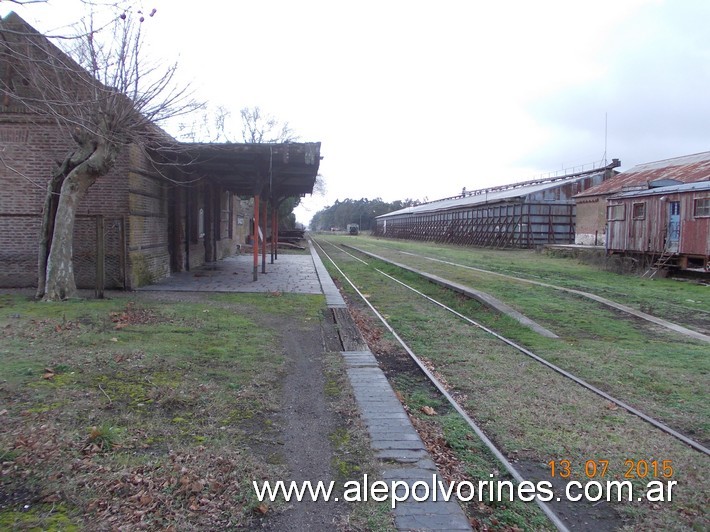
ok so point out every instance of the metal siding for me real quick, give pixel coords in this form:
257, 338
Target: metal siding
524, 217
694, 232
649, 235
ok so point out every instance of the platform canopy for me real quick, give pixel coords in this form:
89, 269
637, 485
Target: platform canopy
273, 170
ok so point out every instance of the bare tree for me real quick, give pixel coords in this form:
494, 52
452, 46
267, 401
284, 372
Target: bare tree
210, 126
101, 92
259, 127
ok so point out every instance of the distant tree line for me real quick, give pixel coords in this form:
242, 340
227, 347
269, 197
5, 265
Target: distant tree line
350, 211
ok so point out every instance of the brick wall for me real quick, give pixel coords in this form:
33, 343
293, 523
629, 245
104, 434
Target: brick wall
29, 151
145, 213
590, 225
147, 193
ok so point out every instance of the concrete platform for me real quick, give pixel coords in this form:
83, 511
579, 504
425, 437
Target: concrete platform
400, 449
290, 273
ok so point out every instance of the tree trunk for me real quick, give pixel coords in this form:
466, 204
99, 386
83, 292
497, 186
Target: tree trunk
60, 283
90, 161
51, 201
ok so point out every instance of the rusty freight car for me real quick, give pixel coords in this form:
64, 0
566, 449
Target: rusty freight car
667, 226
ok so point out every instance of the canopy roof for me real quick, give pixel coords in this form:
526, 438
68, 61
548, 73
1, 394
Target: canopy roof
275, 170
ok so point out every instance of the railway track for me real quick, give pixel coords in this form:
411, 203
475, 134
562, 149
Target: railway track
604, 301
461, 409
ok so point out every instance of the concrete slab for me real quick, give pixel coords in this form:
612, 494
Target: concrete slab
399, 447
333, 297
407, 521
289, 274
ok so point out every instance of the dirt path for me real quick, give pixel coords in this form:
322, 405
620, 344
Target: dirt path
307, 423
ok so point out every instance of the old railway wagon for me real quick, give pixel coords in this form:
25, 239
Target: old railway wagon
668, 225
522, 215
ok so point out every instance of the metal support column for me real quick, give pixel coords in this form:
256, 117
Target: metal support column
255, 236
274, 240
276, 232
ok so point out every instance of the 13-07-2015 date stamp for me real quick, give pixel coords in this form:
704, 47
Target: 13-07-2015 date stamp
655, 473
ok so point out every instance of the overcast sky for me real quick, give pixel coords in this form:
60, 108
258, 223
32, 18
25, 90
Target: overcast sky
418, 99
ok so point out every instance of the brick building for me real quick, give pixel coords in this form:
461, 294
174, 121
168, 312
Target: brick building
195, 208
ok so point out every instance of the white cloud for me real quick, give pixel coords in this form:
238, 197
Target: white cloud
414, 99
653, 88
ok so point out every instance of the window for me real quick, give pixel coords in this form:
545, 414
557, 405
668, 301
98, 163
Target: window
639, 211
616, 212
702, 207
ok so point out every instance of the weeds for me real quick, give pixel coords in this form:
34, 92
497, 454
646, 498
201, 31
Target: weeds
104, 437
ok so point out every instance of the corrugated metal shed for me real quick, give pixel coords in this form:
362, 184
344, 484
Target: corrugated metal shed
523, 214
491, 195
686, 169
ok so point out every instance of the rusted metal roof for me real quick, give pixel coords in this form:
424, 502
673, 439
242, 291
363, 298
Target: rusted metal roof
686, 169
701, 186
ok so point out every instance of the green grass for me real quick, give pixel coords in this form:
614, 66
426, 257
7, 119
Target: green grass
41, 517
95, 394
663, 372
477, 461
538, 414
673, 300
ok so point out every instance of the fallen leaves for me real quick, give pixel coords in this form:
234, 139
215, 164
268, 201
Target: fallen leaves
200, 487
445, 458
133, 316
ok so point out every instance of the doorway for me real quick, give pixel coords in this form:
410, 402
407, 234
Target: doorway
673, 238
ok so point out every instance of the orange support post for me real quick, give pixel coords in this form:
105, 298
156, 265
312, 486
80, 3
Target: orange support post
255, 237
